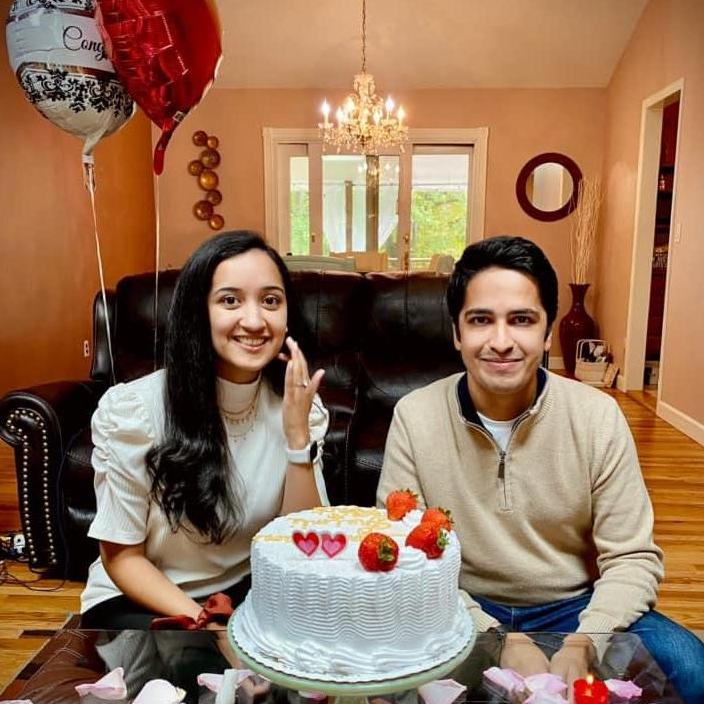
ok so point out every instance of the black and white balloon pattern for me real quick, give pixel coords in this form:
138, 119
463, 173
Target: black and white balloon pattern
58, 56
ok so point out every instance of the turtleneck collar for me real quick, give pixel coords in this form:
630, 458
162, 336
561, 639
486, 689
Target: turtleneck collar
234, 398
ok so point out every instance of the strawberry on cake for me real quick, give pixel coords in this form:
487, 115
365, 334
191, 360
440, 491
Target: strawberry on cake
349, 594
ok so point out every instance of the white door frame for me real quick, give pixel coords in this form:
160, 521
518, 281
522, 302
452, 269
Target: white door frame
477, 137
644, 235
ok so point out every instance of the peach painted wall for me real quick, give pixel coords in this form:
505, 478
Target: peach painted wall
668, 44
49, 271
522, 123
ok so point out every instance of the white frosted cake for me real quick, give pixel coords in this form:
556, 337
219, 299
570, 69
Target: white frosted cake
325, 617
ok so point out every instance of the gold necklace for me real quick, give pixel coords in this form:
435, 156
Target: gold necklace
242, 420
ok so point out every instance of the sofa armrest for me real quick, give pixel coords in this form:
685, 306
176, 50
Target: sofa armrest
38, 423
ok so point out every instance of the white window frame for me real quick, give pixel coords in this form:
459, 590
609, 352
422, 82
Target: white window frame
476, 137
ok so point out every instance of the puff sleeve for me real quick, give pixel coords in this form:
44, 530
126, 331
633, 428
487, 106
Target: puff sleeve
123, 433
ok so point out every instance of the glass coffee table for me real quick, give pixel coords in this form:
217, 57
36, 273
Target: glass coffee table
73, 657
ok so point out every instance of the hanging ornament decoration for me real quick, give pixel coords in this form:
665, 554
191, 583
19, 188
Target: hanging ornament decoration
208, 180
203, 168
166, 52
57, 53
195, 167
217, 222
210, 158
214, 197
203, 210
200, 138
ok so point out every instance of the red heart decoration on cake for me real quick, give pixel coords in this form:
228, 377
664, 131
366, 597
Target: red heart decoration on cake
307, 544
333, 544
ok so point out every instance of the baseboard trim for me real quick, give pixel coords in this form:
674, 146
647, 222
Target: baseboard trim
684, 423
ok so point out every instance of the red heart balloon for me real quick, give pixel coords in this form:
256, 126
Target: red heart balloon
307, 544
165, 52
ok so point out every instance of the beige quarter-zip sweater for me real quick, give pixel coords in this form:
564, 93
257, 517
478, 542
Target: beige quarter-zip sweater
563, 510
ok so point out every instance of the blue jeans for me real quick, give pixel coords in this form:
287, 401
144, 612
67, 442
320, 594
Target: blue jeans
678, 652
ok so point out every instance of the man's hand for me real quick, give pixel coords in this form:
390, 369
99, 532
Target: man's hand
572, 660
521, 654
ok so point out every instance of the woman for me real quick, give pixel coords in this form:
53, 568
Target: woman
192, 460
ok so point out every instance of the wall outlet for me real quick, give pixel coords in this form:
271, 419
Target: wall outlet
86, 348
12, 545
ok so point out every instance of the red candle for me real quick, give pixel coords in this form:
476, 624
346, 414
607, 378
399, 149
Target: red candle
590, 691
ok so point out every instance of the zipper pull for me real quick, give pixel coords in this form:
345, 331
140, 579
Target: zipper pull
502, 457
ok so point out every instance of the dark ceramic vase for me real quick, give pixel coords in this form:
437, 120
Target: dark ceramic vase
576, 325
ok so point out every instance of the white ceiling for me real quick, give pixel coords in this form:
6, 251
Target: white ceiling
424, 43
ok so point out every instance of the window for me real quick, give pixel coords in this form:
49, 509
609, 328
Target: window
416, 207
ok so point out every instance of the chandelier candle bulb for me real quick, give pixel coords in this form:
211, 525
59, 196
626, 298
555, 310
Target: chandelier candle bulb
326, 112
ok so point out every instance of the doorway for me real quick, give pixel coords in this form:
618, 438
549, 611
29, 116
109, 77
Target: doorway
661, 243
655, 233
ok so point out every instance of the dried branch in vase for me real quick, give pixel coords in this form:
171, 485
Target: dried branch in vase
584, 228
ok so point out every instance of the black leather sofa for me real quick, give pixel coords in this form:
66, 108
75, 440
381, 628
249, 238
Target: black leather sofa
377, 335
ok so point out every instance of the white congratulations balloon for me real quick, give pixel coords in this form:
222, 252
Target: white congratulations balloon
58, 56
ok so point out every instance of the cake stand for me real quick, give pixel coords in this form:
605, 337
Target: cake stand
353, 692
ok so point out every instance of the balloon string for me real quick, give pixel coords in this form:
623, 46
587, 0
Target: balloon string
157, 250
89, 181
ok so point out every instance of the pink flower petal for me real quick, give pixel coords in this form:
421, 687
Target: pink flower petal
505, 678
546, 682
214, 682
544, 697
159, 692
110, 687
210, 681
441, 691
624, 688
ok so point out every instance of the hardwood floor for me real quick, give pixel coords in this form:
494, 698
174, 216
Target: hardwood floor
9, 515
673, 467
23, 609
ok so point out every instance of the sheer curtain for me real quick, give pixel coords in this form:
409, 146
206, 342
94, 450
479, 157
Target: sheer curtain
333, 215
388, 215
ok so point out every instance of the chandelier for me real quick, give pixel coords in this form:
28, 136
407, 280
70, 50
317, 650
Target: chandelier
364, 123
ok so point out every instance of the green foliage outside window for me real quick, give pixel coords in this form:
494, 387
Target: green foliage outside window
300, 225
439, 224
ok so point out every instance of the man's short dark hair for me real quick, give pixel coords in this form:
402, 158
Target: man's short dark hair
505, 252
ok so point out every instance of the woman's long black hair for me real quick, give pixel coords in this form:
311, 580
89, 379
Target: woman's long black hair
190, 469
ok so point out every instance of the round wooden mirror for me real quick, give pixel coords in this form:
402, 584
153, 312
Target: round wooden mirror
548, 185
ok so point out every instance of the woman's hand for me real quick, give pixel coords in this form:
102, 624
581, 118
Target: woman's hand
299, 391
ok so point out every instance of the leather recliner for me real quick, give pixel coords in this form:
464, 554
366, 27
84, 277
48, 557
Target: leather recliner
378, 336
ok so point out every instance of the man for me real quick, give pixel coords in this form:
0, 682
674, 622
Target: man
541, 476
